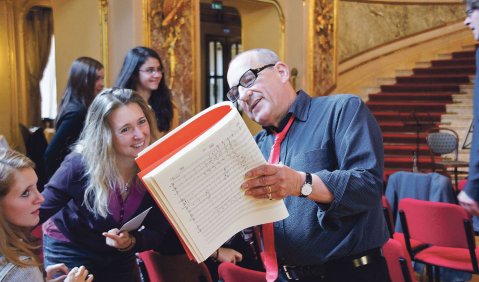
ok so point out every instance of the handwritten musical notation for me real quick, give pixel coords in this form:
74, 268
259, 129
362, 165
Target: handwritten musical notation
209, 184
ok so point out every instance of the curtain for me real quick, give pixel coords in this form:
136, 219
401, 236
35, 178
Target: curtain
38, 35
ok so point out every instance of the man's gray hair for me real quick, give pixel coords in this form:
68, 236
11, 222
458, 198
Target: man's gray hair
474, 4
262, 55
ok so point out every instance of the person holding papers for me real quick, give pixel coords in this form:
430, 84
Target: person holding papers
329, 173
19, 204
96, 191
143, 72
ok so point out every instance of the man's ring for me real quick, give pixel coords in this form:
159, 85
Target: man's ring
269, 189
269, 196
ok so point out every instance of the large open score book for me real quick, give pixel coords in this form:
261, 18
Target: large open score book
194, 174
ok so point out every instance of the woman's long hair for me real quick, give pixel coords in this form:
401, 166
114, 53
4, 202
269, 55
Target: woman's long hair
14, 241
160, 99
81, 82
95, 145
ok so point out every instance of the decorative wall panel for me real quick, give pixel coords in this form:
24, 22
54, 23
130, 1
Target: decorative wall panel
173, 34
363, 25
323, 46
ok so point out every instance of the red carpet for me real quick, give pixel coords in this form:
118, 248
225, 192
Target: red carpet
414, 104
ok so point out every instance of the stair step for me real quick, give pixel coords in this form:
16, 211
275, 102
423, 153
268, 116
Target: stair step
446, 70
407, 106
456, 117
419, 96
404, 149
435, 78
467, 87
406, 162
454, 62
446, 56
386, 80
401, 126
404, 72
423, 64
426, 87
404, 138
407, 116
464, 54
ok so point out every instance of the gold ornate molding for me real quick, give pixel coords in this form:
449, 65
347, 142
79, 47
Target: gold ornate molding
323, 44
104, 36
145, 6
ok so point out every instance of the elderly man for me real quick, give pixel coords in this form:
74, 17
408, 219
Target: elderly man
469, 197
329, 173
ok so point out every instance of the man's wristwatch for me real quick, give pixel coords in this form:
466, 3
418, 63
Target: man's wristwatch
307, 187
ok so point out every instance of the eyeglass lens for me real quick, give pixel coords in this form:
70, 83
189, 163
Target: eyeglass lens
153, 70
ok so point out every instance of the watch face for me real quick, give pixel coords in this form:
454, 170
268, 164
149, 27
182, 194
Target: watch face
306, 189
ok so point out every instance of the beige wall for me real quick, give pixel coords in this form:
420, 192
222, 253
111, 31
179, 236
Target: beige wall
125, 32
77, 33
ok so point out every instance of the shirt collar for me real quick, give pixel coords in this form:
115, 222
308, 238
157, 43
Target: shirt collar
300, 109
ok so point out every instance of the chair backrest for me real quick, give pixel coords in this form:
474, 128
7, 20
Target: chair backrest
399, 265
431, 187
443, 141
435, 223
162, 268
229, 272
388, 215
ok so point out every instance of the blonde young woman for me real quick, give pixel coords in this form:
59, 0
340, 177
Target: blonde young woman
19, 213
96, 190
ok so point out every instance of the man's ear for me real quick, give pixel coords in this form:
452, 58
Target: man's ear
283, 70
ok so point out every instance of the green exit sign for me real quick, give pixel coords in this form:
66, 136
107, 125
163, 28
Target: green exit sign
216, 5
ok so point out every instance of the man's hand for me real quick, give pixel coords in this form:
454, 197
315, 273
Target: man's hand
229, 255
469, 204
272, 182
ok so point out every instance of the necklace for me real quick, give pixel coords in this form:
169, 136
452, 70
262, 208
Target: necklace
126, 187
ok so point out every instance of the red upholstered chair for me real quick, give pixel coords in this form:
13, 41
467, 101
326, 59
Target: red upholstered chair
399, 264
462, 184
229, 272
399, 236
173, 268
37, 232
447, 228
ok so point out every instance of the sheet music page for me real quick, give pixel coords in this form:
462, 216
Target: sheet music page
200, 187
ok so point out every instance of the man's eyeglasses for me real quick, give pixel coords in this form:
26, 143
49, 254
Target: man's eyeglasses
469, 12
153, 70
246, 80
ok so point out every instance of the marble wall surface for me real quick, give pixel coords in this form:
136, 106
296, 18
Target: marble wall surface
363, 26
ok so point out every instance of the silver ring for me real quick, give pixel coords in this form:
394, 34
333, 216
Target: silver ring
269, 196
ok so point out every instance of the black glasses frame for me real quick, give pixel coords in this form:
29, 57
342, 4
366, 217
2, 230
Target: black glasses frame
233, 93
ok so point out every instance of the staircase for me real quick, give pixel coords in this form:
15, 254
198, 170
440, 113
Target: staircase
436, 93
